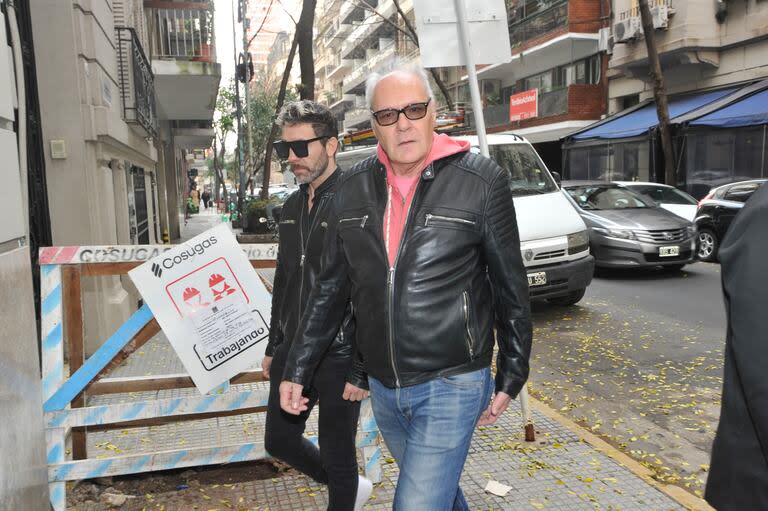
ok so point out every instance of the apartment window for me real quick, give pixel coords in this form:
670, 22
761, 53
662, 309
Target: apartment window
519, 10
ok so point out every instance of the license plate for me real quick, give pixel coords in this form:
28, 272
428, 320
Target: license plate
537, 279
667, 252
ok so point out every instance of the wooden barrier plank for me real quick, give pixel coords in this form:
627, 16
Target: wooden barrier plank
108, 414
150, 462
111, 347
160, 421
72, 306
126, 384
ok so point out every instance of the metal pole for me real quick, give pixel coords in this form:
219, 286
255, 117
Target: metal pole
246, 60
469, 61
241, 162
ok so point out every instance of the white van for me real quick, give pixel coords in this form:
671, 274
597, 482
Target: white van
553, 237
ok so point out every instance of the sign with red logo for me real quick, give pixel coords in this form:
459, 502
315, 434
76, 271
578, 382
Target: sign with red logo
211, 305
524, 105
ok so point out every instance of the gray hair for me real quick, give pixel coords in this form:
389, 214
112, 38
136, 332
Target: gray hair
309, 112
395, 66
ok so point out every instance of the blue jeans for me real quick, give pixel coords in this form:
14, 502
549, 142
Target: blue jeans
428, 429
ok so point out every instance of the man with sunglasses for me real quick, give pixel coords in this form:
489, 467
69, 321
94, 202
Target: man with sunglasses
426, 233
308, 144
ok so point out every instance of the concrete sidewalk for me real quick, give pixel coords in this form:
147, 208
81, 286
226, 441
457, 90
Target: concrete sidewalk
567, 468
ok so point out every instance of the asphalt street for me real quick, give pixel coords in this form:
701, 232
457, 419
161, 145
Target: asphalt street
639, 362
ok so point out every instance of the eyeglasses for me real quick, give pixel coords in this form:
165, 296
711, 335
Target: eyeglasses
299, 147
389, 116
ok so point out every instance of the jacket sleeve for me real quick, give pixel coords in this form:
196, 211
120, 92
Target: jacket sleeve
278, 290
325, 308
509, 284
744, 275
357, 375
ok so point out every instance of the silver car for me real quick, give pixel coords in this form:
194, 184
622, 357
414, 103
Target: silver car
628, 229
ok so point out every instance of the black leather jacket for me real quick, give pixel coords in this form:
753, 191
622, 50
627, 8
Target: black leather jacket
298, 263
458, 274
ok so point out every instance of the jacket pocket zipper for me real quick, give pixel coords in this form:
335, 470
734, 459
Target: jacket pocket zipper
361, 219
464, 221
470, 338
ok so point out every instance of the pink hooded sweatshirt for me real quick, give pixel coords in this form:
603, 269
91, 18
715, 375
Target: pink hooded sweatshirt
402, 188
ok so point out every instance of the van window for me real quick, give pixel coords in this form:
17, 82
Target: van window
529, 175
346, 159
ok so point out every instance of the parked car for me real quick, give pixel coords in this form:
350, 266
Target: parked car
628, 229
716, 212
666, 196
553, 238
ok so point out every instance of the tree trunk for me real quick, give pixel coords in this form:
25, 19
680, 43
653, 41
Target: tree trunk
264, 195
659, 94
304, 30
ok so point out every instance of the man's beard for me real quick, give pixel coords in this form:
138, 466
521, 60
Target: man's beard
314, 172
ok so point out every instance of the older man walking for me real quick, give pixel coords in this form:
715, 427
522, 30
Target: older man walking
426, 234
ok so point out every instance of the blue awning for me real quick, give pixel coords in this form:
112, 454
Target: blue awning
639, 121
750, 111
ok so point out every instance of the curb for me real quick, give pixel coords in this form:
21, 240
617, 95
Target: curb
679, 495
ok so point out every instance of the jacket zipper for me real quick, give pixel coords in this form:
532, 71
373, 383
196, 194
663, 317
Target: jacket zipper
391, 281
287, 221
361, 219
470, 339
430, 216
304, 245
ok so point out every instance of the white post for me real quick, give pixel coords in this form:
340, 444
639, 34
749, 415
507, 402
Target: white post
474, 89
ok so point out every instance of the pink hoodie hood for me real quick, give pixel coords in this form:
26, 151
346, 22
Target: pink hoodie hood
442, 146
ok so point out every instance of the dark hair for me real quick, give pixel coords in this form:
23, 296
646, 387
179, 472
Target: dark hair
309, 112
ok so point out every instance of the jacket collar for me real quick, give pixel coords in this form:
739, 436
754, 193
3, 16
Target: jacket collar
327, 185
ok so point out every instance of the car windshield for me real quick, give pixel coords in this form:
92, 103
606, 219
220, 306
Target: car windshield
529, 176
664, 195
597, 197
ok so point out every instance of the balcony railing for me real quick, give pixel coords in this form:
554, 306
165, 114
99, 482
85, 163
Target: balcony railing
537, 25
137, 89
360, 73
181, 30
356, 116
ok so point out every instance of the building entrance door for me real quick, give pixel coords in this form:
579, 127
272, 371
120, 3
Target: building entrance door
140, 204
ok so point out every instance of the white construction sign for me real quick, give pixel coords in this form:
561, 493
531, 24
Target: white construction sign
210, 303
438, 29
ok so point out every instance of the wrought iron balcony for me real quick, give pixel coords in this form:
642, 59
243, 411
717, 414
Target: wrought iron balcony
181, 30
137, 88
528, 28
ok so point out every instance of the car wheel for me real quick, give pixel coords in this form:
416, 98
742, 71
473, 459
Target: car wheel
708, 245
570, 299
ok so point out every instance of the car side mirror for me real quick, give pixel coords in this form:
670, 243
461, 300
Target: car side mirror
556, 175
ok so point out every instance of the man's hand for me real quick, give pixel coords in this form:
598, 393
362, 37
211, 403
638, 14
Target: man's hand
352, 393
291, 400
499, 403
266, 363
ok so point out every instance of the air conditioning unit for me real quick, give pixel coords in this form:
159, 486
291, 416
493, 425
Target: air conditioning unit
660, 16
605, 40
627, 30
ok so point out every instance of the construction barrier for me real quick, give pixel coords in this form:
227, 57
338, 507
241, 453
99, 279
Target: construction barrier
66, 413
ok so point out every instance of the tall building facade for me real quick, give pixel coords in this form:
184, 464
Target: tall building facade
127, 90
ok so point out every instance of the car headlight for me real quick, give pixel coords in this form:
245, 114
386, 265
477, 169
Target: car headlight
625, 234
578, 242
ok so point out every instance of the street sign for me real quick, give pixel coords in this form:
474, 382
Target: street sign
524, 105
211, 305
439, 40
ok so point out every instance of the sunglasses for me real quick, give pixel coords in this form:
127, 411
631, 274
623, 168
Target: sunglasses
389, 116
299, 147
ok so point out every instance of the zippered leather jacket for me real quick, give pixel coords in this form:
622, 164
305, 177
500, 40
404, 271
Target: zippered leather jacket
457, 276
298, 264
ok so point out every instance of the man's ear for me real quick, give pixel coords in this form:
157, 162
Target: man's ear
331, 145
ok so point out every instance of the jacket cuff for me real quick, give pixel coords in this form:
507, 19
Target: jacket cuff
508, 385
359, 379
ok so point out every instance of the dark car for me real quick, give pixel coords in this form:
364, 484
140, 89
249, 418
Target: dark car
716, 212
628, 229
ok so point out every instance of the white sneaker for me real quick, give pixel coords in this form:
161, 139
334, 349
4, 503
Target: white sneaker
364, 489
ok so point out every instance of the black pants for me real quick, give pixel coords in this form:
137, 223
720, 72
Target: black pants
335, 462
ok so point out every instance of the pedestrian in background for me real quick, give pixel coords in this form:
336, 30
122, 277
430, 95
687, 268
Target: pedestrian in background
738, 477
308, 143
426, 233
